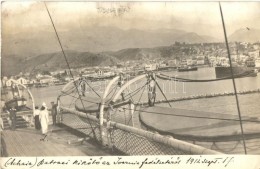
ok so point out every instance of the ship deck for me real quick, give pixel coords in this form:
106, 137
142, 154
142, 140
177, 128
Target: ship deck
59, 142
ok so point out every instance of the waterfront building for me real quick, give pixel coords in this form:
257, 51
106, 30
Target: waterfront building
254, 54
22, 81
8, 83
33, 81
172, 62
189, 62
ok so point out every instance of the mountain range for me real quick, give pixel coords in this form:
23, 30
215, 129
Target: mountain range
245, 35
55, 61
97, 39
98, 47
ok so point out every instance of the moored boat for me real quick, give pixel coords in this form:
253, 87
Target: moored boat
238, 71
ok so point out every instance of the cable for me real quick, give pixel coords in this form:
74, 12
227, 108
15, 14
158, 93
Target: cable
92, 89
73, 100
212, 118
174, 114
161, 91
66, 61
137, 90
84, 100
112, 90
199, 117
166, 77
136, 106
233, 80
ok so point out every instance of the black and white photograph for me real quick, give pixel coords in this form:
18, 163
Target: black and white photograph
116, 79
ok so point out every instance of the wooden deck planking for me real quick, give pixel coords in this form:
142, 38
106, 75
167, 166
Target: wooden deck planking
26, 142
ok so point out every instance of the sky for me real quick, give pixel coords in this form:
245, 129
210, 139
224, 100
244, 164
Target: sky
199, 17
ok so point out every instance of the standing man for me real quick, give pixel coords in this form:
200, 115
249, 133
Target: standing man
36, 114
13, 117
54, 112
151, 90
44, 119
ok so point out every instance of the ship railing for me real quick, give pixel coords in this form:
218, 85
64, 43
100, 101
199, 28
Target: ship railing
127, 139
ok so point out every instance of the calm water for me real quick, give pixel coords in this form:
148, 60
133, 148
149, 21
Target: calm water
170, 88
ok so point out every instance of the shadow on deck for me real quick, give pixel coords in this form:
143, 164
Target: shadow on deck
59, 142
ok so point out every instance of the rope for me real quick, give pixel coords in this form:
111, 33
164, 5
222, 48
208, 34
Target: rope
233, 80
109, 100
137, 90
136, 106
66, 61
226, 119
73, 100
84, 100
92, 89
65, 93
161, 91
199, 117
225, 151
166, 77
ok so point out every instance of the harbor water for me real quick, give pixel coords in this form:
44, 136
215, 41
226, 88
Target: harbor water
248, 103
171, 89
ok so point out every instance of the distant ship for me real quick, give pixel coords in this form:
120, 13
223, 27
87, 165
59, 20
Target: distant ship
238, 71
150, 67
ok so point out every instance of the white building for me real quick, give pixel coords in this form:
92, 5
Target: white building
9, 82
254, 54
189, 62
48, 80
100, 73
22, 81
33, 81
234, 57
256, 46
172, 62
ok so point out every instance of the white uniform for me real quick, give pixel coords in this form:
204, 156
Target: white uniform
44, 119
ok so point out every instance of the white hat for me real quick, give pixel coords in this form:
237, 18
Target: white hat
44, 104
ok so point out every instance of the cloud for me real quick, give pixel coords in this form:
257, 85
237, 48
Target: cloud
199, 17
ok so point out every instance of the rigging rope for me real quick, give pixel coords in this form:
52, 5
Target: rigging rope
199, 117
225, 151
166, 77
92, 88
233, 80
161, 91
136, 91
67, 62
136, 106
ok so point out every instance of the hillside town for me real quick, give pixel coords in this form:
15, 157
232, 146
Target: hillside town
203, 54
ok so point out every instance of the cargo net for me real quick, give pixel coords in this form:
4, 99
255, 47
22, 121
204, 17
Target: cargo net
120, 140
83, 125
132, 144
